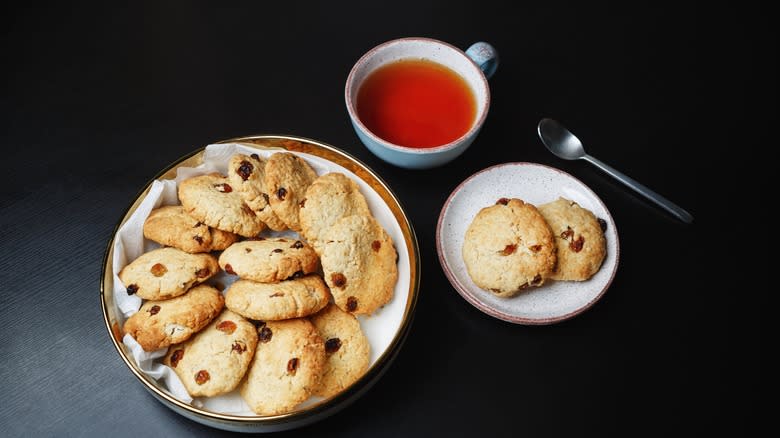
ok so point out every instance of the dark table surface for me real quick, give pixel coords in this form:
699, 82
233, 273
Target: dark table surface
98, 99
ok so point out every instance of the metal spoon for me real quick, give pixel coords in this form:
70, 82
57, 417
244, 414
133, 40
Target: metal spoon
565, 145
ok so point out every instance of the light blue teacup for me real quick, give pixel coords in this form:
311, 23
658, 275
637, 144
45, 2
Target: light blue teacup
475, 66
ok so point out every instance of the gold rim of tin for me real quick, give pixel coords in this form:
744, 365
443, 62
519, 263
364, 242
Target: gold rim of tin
294, 144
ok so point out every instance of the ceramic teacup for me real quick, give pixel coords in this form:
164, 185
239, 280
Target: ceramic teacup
474, 66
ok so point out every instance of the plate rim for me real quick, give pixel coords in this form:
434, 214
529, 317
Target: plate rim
321, 409
464, 292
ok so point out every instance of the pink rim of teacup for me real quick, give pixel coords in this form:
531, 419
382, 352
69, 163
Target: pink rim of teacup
471, 298
477, 124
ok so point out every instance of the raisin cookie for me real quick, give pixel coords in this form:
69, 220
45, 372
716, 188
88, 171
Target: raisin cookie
579, 238
172, 226
329, 198
165, 273
508, 247
212, 200
359, 264
287, 176
269, 260
287, 366
246, 174
274, 301
158, 324
346, 349
215, 360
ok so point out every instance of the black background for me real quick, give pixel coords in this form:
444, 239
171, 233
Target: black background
97, 99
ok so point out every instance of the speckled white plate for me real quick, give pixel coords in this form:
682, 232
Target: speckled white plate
553, 302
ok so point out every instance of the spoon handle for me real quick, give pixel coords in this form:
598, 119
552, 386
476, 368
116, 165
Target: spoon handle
662, 202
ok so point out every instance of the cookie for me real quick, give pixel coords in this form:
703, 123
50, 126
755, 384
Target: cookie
347, 349
246, 174
158, 324
165, 273
329, 198
212, 200
269, 260
287, 366
509, 247
215, 360
274, 301
222, 239
579, 238
359, 264
172, 226
287, 176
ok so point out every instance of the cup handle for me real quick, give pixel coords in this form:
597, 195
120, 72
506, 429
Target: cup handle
485, 56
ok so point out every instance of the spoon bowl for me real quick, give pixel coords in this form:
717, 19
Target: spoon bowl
561, 142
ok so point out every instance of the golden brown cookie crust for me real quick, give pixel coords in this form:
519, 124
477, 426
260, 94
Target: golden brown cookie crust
269, 260
287, 176
329, 198
359, 263
158, 324
212, 200
215, 359
579, 238
246, 173
275, 301
165, 273
287, 366
172, 226
346, 348
508, 247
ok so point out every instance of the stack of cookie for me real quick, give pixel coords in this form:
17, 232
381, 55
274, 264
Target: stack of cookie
358, 258
279, 286
182, 313
512, 245
286, 328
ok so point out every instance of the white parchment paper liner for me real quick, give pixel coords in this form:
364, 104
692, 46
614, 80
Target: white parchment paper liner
380, 328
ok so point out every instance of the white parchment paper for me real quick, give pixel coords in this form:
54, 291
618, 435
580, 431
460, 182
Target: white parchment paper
129, 244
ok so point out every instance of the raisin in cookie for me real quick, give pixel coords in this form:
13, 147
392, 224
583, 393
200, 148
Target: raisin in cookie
165, 273
359, 264
172, 226
508, 247
215, 360
329, 198
287, 366
287, 176
269, 260
212, 200
158, 324
246, 174
579, 238
274, 301
346, 349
